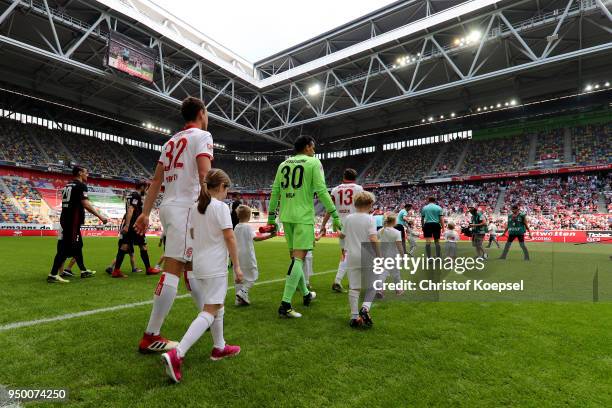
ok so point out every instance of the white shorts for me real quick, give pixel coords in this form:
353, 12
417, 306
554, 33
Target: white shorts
212, 290
341, 243
174, 220
354, 277
250, 274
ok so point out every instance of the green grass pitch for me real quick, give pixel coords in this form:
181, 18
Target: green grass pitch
417, 354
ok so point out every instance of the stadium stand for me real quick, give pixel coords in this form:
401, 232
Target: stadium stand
105, 161
592, 144
449, 157
24, 192
408, 164
147, 158
496, 155
248, 174
50, 142
16, 145
550, 145
555, 201
548, 195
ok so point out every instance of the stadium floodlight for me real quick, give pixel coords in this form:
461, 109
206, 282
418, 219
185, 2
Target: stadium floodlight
596, 86
314, 89
607, 84
485, 108
473, 37
430, 118
588, 88
423, 120
149, 126
513, 102
505, 103
453, 115
441, 116
144, 124
498, 105
478, 109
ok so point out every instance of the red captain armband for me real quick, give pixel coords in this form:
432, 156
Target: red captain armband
266, 229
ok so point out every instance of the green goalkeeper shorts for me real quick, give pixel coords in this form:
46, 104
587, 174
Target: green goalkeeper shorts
299, 236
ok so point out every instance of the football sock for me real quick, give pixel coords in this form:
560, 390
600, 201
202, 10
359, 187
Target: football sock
238, 287
506, 249
119, 259
302, 286
396, 275
308, 267
197, 328
293, 280
353, 296
144, 255
247, 284
216, 330
428, 250
367, 305
194, 288
79, 260
57, 263
383, 276
437, 250
524, 248
165, 292
341, 270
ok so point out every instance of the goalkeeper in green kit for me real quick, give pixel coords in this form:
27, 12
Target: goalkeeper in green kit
297, 180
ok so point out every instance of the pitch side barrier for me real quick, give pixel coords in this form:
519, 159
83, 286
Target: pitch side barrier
552, 236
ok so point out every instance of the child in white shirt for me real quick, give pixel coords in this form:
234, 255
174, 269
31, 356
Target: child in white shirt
210, 225
358, 228
391, 244
412, 237
451, 237
245, 236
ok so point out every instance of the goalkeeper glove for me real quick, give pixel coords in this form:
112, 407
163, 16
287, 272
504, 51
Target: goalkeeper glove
336, 223
272, 221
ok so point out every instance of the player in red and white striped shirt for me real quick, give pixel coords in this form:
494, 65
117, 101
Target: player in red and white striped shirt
184, 162
343, 199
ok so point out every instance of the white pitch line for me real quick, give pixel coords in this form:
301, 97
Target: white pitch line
68, 316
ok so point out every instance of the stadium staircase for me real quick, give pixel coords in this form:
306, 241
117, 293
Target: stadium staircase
434, 165
63, 147
533, 144
364, 172
390, 160
567, 146
501, 198
137, 162
461, 158
602, 203
7, 193
36, 143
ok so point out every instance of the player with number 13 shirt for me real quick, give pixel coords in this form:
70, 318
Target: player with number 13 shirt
343, 199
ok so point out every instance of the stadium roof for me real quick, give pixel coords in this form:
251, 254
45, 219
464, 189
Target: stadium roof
398, 65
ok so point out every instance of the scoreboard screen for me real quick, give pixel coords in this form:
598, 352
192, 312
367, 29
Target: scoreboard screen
127, 55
